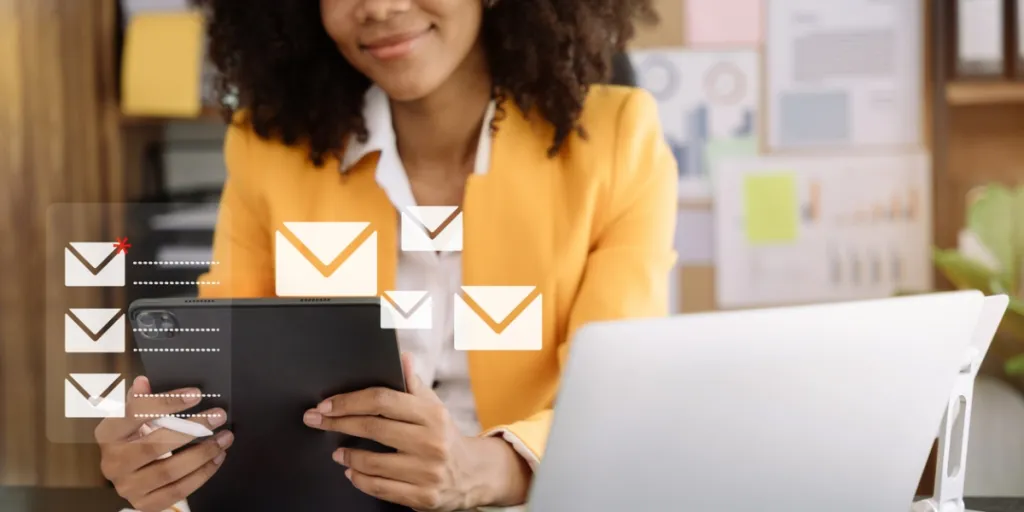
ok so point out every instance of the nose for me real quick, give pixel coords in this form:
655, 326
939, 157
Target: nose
381, 10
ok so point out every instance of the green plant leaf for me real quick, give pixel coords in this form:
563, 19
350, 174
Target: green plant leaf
1013, 327
1018, 238
1015, 366
963, 272
991, 219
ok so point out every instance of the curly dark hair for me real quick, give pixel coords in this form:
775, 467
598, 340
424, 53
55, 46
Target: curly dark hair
284, 71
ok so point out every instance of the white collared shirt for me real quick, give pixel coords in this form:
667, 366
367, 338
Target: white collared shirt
438, 364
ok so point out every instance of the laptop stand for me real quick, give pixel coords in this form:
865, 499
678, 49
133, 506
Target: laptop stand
950, 469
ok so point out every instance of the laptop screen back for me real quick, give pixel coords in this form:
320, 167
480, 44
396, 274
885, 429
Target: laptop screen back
829, 407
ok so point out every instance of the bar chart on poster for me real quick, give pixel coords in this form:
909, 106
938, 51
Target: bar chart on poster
708, 107
792, 230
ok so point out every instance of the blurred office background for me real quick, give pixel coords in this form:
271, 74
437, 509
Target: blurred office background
824, 148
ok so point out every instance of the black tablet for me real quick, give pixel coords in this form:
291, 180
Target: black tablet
266, 361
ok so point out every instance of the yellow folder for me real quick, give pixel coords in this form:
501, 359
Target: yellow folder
162, 69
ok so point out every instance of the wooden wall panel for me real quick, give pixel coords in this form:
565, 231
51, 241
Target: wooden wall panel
58, 143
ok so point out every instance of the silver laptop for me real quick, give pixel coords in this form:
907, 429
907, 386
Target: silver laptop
831, 407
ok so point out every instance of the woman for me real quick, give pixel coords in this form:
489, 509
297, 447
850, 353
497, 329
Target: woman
352, 110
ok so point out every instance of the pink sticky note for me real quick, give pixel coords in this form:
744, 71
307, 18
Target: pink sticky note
723, 22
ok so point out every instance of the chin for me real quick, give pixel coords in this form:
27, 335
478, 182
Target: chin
408, 86
408, 89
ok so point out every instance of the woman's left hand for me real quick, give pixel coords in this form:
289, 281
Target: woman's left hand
435, 469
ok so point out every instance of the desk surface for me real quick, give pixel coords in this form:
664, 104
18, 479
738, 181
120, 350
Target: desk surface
33, 499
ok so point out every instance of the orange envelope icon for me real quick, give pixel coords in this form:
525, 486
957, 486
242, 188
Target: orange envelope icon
406, 310
499, 318
325, 259
93, 264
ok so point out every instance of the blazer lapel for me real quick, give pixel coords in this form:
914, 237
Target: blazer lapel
509, 229
360, 199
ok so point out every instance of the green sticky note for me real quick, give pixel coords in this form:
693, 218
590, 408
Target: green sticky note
771, 208
720, 149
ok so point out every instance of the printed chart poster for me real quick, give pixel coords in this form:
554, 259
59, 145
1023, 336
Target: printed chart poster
843, 74
708, 106
795, 230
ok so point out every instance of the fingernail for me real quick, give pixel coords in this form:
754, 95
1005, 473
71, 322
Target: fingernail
325, 406
348, 474
191, 396
339, 456
217, 417
224, 439
219, 458
137, 383
312, 418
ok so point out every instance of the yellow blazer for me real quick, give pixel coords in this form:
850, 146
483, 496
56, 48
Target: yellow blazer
592, 227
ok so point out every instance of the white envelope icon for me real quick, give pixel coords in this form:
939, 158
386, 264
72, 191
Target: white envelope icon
432, 228
94, 395
406, 310
94, 330
499, 318
326, 259
93, 264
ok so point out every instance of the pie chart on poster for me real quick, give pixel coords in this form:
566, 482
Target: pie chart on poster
659, 76
725, 84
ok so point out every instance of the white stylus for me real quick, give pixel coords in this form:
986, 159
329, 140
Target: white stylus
189, 428
182, 426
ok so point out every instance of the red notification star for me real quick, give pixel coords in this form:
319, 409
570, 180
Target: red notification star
122, 245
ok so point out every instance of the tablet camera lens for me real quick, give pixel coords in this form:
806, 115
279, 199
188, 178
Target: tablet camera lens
157, 325
146, 320
168, 324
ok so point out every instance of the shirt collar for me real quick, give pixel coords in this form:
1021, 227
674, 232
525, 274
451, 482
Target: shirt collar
377, 116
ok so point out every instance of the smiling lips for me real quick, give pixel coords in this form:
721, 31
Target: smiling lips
394, 46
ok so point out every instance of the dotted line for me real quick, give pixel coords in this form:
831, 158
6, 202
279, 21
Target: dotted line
177, 350
178, 415
177, 395
176, 263
177, 329
174, 283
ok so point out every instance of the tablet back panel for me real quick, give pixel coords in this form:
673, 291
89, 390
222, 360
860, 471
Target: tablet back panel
277, 359
830, 407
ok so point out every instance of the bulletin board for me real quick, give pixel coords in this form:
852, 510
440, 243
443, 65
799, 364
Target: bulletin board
695, 281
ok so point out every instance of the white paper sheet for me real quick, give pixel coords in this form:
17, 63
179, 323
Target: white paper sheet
862, 229
695, 237
844, 73
705, 100
723, 22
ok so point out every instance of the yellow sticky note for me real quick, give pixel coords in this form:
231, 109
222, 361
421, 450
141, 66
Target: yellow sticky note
162, 69
771, 208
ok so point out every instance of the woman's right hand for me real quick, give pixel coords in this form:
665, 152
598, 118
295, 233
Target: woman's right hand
131, 456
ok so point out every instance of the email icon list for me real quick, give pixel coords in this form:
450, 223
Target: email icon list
95, 402
406, 310
93, 264
326, 259
432, 228
509, 318
94, 330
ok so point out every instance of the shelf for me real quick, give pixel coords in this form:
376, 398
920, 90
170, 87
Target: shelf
207, 115
984, 93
